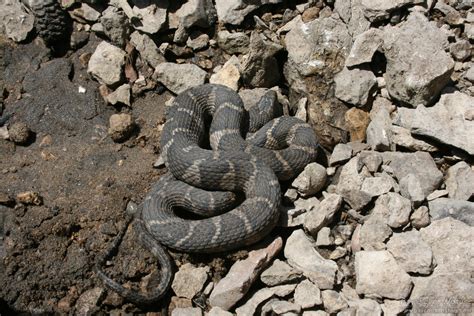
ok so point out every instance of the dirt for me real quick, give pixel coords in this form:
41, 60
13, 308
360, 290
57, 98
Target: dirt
84, 181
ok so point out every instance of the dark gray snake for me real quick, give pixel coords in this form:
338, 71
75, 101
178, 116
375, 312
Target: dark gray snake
203, 180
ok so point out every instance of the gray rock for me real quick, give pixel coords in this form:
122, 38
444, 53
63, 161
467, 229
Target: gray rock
189, 280
260, 67
120, 95
280, 307
323, 214
106, 64
311, 180
307, 294
354, 86
437, 194
460, 50
333, 301
179, 77
340, 154
324, 237
375, 231
419, 166
416, 73
469, 75
380, 9
85, 13
199, 13
451, 15
410, 187
457, 209
147, 48
352, 13
315, 313
399, 209
217, 311
371, 159
376, 186
460, 181
402, 137
338, 253
120, 126
469, 31
228, 75
350, 182
394, 307
263, 295
379, 275
86, 304
308, 44
19, 132
152, 17
411, 252
234, 11
379, 131
186, 311
364, 47
241, 276
302, 255
197, 42
233, 43
279, 273
366, 307
15, 21
446, 122
420, 217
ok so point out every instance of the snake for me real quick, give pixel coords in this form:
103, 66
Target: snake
230, 190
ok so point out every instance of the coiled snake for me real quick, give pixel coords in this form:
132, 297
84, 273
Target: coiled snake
203, 180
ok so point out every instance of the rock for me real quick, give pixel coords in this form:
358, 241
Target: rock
198, 42
469, 75
234, 11
302, 255
19, 132
338, 253
29, 198
420, 217
260, 67
364, 47
323, 215
460, 50
85, 13
357, 121
307, 294
189, 280
263, 295
233, 43
417, 66
437, 194
283, 307
376, 186
379, 131
15, 22
371, 159
199, 13
340, 154
352, 13
410, 187
366, 307
418, 166
315, 313
324, 237
381, 9
151, 18
179, 77
217, 311
120, 95
350, 183
460, 181
469, 31
120, 126
375, 230
228, 75
311, 180
279, 273
106, 64
354, 86
411, 252
147, 48
399, 209
452, 16
394, 307
333, 301
186, 311
86, 304
402, 137
116, 26
457, 209
379, 275
241, 276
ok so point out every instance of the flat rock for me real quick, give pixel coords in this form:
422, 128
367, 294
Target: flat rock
411, 252
147, 48
364, 47
301, 254
460, 181
376, 186
189, 280
281, 307
379, 275
234, 11
324, 237
16, 23
402, 137
241, 276
375, 231
333, 301
307, 294
179, 77
106, 64
376, 10
419, 165
458, 209
199, 13
354, 86
279, 273
323, 214
340, 154
233, 43
417, 65
311, 180
446, 122
263, 295
394, 307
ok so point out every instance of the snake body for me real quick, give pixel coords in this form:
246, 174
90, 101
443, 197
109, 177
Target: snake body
204, 181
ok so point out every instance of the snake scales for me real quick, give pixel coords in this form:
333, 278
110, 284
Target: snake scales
203, 181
